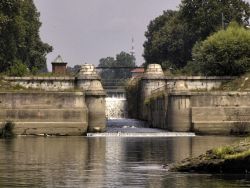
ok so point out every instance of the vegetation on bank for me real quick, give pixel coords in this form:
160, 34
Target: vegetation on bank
228, 159
6, 130
174, 39
22, 49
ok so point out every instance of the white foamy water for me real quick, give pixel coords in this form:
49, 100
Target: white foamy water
135, 128
116, 108
124, 134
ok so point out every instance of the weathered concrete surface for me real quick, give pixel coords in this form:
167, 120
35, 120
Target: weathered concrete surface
44, 83
202, 112
57, 113
195, 83
179, 113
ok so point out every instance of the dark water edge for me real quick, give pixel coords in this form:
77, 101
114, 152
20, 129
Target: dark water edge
107, 162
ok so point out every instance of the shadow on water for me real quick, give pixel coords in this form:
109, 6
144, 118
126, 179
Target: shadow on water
106, 162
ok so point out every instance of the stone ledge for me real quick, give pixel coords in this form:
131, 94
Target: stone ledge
38, 78
199, 78
208, 93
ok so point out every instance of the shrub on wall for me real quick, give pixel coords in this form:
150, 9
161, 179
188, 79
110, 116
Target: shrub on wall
18, 69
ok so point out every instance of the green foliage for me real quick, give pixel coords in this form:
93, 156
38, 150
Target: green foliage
171, 36
6, 131
221, 152
18, 69
226, 52
166, 36
19, 35
122, 59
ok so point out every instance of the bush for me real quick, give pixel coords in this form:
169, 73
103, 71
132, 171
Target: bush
18, 69
225, 53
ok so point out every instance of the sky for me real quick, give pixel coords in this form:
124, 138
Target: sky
84, 31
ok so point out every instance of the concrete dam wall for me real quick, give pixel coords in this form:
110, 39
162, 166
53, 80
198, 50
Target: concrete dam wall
185, 104
57, 113
47, 107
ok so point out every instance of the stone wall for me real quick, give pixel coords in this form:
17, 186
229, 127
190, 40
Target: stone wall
51, 112
195, 83
189, 104
154, 81
57, 113
44, 83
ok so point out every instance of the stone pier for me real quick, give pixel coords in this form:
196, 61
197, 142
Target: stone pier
90, 82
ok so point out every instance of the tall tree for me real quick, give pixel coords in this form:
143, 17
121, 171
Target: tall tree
171, 36
19, 36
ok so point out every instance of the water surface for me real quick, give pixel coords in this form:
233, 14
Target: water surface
107, 162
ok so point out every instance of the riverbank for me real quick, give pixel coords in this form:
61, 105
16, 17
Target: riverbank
231, 159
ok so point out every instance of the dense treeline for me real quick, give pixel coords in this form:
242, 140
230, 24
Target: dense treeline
172, 36
21, 46
122, 59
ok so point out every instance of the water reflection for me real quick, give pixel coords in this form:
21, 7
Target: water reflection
105, 162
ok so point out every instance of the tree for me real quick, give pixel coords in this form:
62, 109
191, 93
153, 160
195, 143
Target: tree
123, 60
225, 53
19, 36
163, 40
171, 36
73, 70
107, 62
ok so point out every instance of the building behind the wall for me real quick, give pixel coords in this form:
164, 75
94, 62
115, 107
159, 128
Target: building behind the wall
59, 66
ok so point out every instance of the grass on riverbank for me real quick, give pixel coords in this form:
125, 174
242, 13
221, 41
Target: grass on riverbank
228, 159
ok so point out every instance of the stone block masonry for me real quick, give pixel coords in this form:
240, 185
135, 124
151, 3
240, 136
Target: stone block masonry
56, 113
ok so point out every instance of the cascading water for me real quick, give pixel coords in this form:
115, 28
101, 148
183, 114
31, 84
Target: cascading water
116, 106
119, 126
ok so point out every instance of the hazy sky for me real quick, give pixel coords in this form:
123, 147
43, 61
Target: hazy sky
84, 31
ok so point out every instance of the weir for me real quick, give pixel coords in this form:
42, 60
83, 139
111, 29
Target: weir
116, 105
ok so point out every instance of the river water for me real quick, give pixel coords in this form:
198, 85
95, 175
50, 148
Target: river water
94, 162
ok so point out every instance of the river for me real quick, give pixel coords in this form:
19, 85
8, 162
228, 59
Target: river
107, 162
